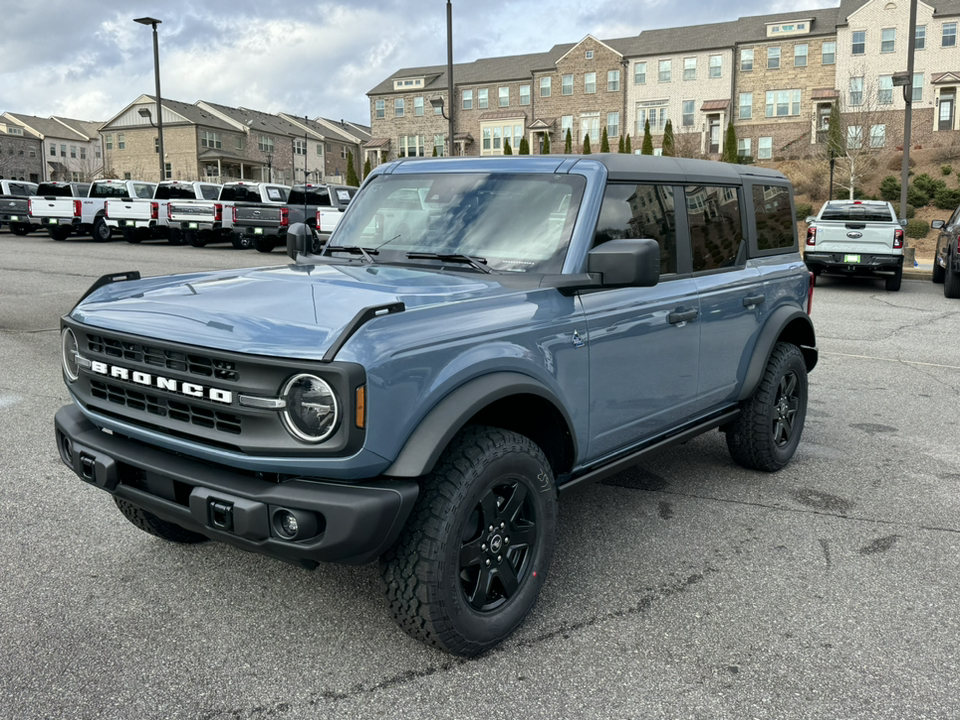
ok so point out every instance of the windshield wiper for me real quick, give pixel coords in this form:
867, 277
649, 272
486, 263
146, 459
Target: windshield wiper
353, 250
477, 263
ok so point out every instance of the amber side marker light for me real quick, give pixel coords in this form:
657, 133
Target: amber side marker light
361, 407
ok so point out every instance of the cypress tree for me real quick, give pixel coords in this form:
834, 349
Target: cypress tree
620, 145
568, 143
524, 146
836, 146
647, 147
586, 144
507, 150
730, 144
366, 168
604, 142
626, 146
668, 146
546, 144
352, 178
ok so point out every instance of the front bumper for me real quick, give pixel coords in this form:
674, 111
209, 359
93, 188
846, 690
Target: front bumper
853, 264
355, 523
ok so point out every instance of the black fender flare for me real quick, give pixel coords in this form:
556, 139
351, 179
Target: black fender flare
802, 335
423, 448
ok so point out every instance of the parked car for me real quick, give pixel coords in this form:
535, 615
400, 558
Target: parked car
478, 335
204, 221
946, 258
140, 219
14, 196
48, 195
319, 206
67, 213
856, 237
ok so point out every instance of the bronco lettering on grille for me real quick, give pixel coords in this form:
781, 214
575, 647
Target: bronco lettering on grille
162, 383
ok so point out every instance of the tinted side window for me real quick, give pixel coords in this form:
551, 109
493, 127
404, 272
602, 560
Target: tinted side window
716, 230
640, 211
771, 205
143, 190
209, 192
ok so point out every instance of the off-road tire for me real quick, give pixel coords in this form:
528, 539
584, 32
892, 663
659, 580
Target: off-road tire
132, 237
150, 523
194, 239
951, 281
938, 273
766, 433
264, 244
175, 237
893, 281
491, 496
20, 229
60, 233
101, 232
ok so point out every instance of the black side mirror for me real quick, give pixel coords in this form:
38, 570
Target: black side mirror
627, 262
937, 224
299, 240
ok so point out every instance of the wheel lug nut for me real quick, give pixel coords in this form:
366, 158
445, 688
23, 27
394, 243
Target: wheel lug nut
499, 558
491, 528
502, 526
483, 547
488, 563
506, 541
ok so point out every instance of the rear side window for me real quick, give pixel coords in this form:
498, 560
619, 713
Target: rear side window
143, 190
22, 189
209, 192
640, 211
50, 190
771, 206
716, 228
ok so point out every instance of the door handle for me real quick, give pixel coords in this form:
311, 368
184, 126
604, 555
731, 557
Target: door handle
678, 317
752, 300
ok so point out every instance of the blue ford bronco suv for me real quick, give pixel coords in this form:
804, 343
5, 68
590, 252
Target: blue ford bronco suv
477, 337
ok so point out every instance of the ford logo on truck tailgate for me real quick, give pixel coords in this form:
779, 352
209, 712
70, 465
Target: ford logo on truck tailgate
854, 235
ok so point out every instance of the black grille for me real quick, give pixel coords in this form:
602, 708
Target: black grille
167, 359
166, 407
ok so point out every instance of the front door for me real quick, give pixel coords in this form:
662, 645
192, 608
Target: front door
948, 101
714, 121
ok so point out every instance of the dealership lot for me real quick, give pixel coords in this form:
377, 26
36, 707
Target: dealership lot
686, 587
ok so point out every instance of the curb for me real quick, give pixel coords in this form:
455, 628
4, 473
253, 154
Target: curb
918, 273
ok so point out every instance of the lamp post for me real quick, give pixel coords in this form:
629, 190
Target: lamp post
156, 71
450, 73
907, 82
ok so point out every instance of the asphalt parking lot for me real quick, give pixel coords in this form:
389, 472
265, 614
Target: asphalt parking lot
686, 587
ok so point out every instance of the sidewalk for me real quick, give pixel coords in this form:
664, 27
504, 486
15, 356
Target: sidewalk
922, 271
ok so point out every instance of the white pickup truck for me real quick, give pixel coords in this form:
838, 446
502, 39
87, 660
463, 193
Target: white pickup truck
856, 237
64, 216
204, 222
140, 219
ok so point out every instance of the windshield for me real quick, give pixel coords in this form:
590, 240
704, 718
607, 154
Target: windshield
514, 223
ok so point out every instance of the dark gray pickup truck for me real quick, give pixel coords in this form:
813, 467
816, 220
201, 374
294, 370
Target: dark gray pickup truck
14, 200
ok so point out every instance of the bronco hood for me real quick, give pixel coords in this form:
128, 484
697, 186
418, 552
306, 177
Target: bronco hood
291, 311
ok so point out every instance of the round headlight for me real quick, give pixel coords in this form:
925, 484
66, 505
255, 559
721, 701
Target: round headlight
69, 354
312, 410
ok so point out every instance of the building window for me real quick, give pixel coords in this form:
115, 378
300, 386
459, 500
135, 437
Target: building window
716, 66
854, 137
418, 107
765, 148
410, 146
503, 94
107, 142
567, 85
210, 139
746, 60
782, 103
613, 124
545, 87
746, 106
920, 39
121, 142
800, 55
859, 42
83, 152
32, 151
885, 90
53, 146
613, 81
688, 113
566, 125
96, 152
589, 55
63, 149
878, 136
381, 109
299, 146
524, 94
773, 58
856, 91
320, 149
467, 100
888, 40
917, 87
73, 151
156, 145
483, 98
828, 53
399, 107
167, 171
640, 73
440, 145
743, 147
265, 144
689, 69
665, 71
655, 112
590, 126
949, 35
590, 83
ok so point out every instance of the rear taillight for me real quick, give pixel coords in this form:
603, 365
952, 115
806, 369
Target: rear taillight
811, 236
813, 280
30, 207
154, 210
234, 213
898, 238
318, 218
217, 212
106, 210
77, 208
284, 217
169, 212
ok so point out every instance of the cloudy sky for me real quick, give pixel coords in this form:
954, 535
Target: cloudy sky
87, 59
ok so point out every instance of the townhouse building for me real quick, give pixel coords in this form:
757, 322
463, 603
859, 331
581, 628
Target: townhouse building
775, 77
54, 148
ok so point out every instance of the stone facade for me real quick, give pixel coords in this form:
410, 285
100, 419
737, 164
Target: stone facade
20, 154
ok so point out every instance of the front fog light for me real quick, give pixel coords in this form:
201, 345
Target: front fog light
294, 524
69, 354
312, 411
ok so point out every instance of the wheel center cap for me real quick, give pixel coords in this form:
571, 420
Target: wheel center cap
496, 542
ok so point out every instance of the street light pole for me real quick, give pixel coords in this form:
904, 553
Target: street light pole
908, 111
450, 100
156, 71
